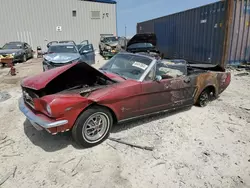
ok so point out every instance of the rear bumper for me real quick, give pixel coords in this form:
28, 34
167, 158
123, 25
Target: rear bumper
34, 119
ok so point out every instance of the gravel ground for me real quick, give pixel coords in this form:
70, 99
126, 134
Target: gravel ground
198, 147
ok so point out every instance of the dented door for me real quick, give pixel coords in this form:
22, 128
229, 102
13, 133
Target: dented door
166, 94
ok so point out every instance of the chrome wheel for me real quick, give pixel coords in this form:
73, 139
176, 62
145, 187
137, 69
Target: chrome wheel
95, 127
204, 99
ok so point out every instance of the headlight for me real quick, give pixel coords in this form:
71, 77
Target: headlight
108, 47
16, 53
48, 109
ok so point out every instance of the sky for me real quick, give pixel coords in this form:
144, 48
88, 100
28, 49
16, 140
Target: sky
130, 12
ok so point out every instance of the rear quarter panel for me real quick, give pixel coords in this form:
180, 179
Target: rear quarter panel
219, 80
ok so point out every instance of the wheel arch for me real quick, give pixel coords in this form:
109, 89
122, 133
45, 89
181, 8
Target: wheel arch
114, 116
208, 87
211, 88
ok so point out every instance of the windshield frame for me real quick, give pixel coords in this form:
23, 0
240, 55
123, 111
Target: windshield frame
144, 74
13, 44
64, 45
108, 41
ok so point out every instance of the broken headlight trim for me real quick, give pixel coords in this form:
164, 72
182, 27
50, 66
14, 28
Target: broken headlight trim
48, 109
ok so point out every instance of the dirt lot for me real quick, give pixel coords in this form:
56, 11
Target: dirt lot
200, 147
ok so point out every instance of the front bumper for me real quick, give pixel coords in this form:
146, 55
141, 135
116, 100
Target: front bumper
18, 57
47, 65
36, 120
109, 53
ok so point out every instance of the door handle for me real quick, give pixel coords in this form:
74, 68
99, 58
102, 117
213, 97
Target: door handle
187, 80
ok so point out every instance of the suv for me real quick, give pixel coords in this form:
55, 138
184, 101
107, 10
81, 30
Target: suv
108, 45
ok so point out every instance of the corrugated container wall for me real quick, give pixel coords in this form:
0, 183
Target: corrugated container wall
201, 34
39, 21
239, 44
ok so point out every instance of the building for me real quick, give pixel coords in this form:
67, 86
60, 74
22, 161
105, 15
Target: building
218, 33
38, 22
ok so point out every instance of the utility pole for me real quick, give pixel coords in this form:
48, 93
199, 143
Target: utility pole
125, 31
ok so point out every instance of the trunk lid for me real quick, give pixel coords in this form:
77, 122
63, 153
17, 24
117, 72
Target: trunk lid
210, 67
40, 81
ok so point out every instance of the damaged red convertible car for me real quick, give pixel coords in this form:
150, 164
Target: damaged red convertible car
88, 101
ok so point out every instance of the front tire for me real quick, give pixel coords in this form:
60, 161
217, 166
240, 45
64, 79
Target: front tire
92, 127
205, 97
24, 59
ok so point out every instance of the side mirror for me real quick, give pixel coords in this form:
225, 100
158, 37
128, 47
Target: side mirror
158, 78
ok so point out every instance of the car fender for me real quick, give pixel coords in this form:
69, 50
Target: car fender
204, 81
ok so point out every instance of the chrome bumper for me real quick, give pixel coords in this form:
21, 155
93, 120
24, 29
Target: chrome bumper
33, 118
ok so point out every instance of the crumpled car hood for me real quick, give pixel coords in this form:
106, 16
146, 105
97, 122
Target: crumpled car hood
9, 51
112, 44
41, 80
61, 57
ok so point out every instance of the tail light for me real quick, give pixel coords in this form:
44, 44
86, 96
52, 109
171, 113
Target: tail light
228, 79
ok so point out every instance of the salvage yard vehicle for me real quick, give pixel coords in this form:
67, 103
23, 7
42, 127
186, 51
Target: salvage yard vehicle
19, 51
108, 45
143, 43
88, 101
60, 54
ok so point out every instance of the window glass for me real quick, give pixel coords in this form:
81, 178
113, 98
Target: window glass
127, 65
62, 49
167, 69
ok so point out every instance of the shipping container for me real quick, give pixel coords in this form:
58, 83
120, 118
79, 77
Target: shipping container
217, 33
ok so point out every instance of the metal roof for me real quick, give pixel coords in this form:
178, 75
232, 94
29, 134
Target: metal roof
103, 1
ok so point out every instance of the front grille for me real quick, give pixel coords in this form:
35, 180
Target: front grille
51, 65
28, 96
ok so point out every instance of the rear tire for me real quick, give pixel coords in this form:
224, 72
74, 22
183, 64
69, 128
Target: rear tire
205, 97
92, 127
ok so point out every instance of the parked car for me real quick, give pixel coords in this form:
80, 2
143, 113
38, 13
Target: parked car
88, 101
108, 46
20, 51
60, 54
143, 43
